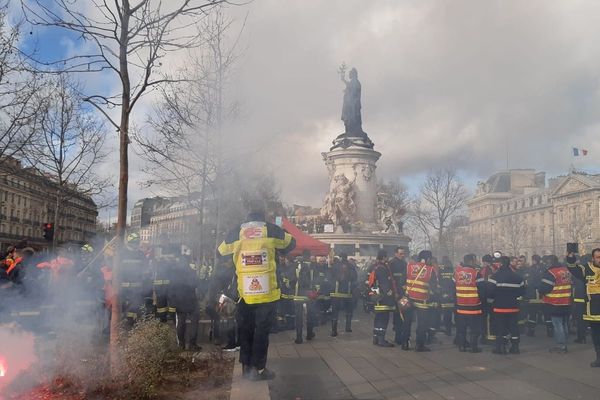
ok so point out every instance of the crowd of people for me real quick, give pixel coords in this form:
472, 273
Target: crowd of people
46, 292
493, 300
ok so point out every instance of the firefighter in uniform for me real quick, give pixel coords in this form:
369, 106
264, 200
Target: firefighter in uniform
421, 287
383, 283
344, 277
134, 279
288, 283
163, 271
532, 300
305, 294
183, 295
322, 286
556, 288
447, 295
398, 268
470, 288
590, 274
489, 267
505, 287
579, 306
254, 247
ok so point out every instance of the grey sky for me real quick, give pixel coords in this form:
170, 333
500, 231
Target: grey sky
445, 83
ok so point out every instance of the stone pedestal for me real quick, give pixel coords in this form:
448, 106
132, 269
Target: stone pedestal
358, 165
363, 246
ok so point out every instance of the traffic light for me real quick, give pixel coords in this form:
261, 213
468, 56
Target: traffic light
48, 231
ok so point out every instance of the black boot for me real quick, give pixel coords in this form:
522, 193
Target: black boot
406, 345
462, 343
290, 322
475, 344
596, 364
334, 328
549, 330
514, 346
381, 342
348, 323
422, 348
500, 346
298, 335
375, 340
398, 338
310, 334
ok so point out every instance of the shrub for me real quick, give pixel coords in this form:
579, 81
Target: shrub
149, 348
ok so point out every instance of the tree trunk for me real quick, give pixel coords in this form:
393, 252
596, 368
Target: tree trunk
55, 221
123, 182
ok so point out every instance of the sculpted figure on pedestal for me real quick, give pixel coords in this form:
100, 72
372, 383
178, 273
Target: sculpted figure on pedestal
339, 204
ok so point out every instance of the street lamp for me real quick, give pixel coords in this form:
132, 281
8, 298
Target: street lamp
553, 232
491, 237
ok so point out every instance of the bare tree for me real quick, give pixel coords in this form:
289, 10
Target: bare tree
417, 227
68, 146
17, 89
442, 196
515, 232
130, 39
392, 202
184, 155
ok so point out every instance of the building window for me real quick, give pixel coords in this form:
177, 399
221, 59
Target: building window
561, 217
588, 210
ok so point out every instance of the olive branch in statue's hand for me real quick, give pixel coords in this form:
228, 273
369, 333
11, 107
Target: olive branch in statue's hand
342, 71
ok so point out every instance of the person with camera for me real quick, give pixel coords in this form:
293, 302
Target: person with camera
590, 274
253, 246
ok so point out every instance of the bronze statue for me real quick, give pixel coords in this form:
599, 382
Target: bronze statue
351, 108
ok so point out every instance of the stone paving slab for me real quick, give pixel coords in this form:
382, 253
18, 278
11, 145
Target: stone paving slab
350, 367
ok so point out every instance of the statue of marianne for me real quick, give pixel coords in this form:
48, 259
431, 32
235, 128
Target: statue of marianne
351, 108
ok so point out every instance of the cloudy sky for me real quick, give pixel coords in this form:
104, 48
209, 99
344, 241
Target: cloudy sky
464, 84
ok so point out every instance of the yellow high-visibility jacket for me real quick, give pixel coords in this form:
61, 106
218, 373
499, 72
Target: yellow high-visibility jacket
254, 248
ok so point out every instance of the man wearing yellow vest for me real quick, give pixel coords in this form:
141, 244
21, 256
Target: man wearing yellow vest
255, 245
590, 274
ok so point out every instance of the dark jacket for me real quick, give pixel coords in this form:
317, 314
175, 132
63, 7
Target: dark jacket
505, 287
532, 276
384, 282
343, 277
398, 268
182, 290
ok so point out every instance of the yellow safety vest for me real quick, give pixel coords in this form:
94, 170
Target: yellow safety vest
255, 264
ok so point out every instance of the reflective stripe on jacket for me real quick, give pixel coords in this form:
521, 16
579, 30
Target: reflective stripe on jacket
254, 255
560, 281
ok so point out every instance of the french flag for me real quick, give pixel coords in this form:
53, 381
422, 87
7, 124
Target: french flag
579, 152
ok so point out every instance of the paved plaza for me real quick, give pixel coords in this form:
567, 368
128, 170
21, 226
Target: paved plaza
350, 367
